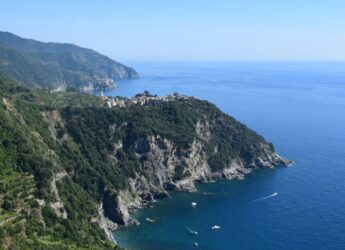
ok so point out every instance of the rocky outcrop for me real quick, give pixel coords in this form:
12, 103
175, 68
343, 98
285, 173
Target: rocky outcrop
168, 167
57, 205
165, 164
114, 207
108, 225
84, 156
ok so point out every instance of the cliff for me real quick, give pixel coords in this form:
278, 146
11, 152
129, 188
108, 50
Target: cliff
186, 141
90, 165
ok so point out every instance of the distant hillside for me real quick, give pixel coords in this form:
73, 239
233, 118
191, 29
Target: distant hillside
57, 65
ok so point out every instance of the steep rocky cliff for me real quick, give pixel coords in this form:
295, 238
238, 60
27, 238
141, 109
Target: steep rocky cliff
89, 164
165, 166
170, 146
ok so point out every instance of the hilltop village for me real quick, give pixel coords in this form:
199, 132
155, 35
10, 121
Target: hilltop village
143, 99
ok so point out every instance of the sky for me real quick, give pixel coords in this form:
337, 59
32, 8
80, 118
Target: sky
186, 30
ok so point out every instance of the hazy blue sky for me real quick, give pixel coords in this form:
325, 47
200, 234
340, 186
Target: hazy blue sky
186, 29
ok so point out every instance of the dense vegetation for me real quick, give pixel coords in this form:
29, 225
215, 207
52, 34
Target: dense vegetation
44, 133
26, 169
50, 65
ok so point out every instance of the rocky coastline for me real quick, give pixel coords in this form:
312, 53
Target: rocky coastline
118, 206
137, 150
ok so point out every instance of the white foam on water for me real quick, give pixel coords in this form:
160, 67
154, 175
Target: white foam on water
266, 197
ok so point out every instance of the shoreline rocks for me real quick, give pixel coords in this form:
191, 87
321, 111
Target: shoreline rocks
122, 211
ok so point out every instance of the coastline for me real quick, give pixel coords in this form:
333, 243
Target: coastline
177, 212
141, 205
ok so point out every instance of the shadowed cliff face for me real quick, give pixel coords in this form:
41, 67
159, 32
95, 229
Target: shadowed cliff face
112, 209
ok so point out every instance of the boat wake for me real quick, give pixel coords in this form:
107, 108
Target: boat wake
192, 231
267, 197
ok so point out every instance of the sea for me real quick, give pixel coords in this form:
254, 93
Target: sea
300, 108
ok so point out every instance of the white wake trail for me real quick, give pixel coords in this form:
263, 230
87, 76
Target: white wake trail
267, 197
192, 231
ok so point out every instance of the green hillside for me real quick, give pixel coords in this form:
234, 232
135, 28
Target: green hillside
54, 65
64, 156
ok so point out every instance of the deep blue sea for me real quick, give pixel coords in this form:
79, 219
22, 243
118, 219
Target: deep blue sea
300, 108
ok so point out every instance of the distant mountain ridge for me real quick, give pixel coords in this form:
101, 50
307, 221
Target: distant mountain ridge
58, 65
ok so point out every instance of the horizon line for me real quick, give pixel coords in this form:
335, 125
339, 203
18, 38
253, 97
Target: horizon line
238, 60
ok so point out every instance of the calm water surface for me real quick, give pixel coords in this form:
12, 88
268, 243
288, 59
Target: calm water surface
300, 107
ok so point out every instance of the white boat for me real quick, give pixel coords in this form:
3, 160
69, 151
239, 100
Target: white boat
194, 204
196, 244
215, 227
150, 220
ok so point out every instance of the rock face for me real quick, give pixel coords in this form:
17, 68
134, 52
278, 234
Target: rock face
137, 153
163, 172
85, 163
95, 164
166, 166
113, 208
58, 206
